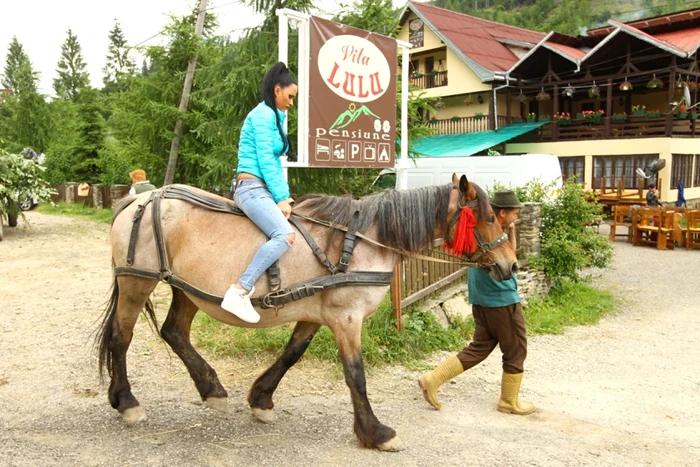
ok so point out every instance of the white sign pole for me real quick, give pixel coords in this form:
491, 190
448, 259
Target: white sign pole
402, 164
302, 101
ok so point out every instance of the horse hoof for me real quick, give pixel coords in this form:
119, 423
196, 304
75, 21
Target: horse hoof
393, 445
264, 415
134, 415
217, 403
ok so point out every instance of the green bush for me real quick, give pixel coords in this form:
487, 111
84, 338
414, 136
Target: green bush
567, 244
534, 191
20, 178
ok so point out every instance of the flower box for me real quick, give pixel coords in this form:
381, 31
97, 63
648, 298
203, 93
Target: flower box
432, 120
638, 112
531, 119
693, 116
478, 117
619, 118
565, 121
579, 116
682, 115
543, 119
653, 114
455, 119
593, 119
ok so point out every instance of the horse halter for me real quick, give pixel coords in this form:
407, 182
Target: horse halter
483, 247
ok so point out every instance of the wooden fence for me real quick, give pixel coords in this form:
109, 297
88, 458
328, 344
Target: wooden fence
99, 196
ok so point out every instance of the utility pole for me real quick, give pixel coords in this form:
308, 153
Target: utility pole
185, 99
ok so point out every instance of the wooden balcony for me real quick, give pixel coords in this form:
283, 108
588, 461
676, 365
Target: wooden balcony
457, 125
434, 79
634, 127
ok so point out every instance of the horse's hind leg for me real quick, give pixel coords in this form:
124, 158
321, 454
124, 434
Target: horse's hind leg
260, 395
176, 332
369, 431
129, 296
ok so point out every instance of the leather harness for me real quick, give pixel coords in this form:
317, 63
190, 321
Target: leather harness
276, 298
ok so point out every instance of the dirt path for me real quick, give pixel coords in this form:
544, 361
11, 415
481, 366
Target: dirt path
625, 392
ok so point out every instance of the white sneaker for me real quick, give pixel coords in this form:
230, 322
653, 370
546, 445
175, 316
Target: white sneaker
237, 302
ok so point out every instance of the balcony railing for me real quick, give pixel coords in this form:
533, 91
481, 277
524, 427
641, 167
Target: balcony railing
456, 125
634, 127
434, 79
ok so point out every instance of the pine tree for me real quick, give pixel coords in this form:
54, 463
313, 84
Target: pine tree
72, 76
118, 61
16, 59
91, 130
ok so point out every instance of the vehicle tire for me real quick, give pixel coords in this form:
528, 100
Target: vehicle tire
26, 204
12, 220
1, 222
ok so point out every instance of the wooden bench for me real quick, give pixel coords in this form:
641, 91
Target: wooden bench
692, 239
622, 216
653, 227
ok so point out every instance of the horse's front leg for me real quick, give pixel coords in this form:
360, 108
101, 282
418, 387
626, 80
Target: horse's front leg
260, 395
368, 429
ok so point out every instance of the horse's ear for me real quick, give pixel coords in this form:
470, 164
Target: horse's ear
455, 179
464, 185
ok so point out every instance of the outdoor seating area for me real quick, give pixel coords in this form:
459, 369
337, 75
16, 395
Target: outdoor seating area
663, 228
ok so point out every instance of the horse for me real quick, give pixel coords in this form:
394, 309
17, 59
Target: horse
207, 250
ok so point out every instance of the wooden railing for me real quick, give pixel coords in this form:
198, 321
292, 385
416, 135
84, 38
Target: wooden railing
430, 80
457, 125
634, 127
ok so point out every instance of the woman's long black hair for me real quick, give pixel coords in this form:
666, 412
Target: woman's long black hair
277, 75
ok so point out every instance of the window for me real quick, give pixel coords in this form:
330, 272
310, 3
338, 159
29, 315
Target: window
572, 167
615, 167
696, 178
682, 167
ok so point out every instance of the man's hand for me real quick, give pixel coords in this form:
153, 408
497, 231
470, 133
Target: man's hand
286, 208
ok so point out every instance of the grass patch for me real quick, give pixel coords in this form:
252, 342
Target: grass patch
381, 342
568, 304
77, 210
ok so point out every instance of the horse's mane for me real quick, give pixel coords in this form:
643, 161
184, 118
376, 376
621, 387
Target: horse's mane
405, 219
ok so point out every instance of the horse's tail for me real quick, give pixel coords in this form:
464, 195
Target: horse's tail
103, 337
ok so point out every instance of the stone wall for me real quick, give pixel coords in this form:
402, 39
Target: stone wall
528, 225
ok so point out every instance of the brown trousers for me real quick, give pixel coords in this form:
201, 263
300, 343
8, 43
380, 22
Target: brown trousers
504, 326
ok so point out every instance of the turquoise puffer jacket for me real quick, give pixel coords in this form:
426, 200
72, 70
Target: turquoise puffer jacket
259, 150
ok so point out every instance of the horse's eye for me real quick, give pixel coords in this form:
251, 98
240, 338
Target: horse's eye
492, 219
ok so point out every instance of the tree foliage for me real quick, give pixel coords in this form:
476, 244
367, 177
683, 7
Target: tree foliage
118, 63
72, 76
20, 178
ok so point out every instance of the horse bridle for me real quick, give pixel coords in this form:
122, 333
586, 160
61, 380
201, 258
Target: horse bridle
483, 247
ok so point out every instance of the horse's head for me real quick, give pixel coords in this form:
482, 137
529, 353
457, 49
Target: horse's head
474, 233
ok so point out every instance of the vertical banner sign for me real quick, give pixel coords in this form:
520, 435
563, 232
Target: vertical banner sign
415, 32
352, 97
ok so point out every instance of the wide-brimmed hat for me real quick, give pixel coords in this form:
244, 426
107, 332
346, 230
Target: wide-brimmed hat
506, 199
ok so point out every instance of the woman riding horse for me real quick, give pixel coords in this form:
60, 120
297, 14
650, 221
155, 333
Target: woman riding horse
202, 248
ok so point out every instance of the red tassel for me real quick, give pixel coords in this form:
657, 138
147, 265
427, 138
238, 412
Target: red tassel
464, 234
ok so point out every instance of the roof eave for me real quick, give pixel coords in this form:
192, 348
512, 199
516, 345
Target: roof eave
648, 39
527, 55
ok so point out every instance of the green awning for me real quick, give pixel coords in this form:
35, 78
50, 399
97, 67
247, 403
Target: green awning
466, 144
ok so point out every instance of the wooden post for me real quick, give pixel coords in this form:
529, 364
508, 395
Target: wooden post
185, 98
492, 112
508, 104
669, 115
555, 108
608, 110
396, 287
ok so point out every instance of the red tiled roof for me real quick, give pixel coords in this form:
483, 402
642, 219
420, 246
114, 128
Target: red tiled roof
686, 40
477, 38
572, 52
641, 34
662, 20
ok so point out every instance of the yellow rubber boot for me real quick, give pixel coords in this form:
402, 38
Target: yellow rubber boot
509, 403
431, 381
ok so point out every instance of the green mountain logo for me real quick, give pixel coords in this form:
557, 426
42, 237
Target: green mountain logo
347, 117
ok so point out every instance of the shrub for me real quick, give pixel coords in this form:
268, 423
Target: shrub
567, 244
534, 191
20, 178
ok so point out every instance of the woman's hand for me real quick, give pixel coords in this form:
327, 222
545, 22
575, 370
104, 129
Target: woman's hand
286, 208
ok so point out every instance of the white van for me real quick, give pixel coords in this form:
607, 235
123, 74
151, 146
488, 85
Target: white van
485, 171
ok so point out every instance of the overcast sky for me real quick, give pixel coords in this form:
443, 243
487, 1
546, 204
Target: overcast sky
41, 27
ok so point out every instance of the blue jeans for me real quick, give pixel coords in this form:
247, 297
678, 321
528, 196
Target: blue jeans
254, 199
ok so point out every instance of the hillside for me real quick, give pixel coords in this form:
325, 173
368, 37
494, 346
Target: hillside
572, 17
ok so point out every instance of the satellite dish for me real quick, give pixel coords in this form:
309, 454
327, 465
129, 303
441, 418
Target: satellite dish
686, 95
652, 169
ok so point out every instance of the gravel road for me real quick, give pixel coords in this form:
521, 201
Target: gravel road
625, 392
